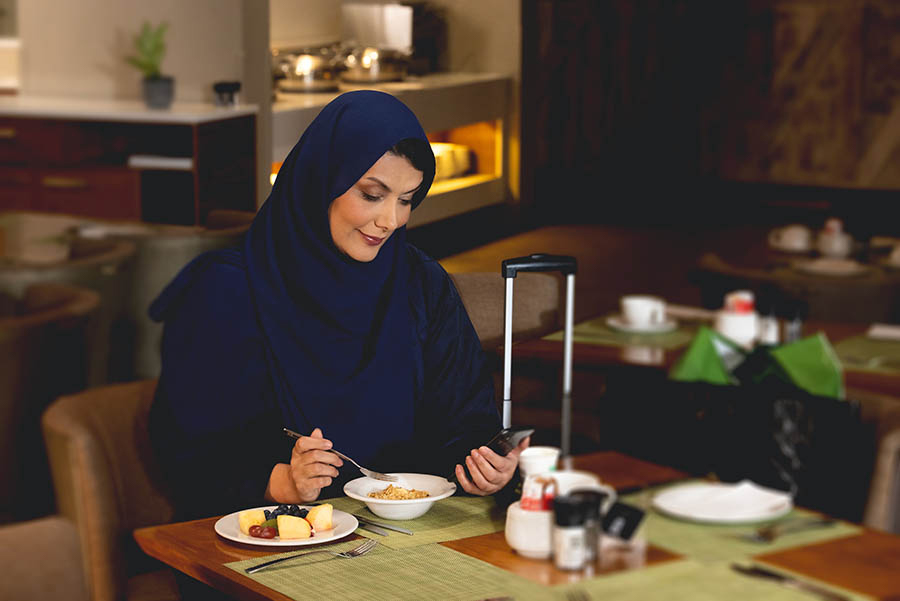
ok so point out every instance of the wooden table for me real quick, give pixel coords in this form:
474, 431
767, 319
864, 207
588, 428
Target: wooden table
867, 563
601, 357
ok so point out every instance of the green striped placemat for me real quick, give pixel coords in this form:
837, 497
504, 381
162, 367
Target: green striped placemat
417, 574
712, 542
448, 519
595, 331
861, 353
688, 579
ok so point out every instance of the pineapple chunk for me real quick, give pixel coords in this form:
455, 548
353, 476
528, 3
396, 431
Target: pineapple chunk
290, 526
251, 517
320, 517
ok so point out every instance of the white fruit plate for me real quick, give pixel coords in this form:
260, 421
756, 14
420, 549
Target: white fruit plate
344, 524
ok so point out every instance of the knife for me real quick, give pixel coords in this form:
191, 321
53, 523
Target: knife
375, 529
365, 520
789, 581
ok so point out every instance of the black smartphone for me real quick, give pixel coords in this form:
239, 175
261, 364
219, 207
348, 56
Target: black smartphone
502, 443
507, 439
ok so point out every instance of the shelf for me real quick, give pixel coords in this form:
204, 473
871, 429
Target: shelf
468, 109
459, 195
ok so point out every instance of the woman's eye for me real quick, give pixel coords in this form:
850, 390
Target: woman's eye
369, 197
406, 201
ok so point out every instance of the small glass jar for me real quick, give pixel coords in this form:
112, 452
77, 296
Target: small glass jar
569, 549
592, 501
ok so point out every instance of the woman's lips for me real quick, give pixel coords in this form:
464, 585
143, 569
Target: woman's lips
371, 240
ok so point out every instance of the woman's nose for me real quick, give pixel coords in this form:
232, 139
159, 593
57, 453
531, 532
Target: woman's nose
387, 218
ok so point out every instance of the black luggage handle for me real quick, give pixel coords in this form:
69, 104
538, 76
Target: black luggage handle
539, 262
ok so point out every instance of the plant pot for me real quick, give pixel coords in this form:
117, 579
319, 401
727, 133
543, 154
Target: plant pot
159, 91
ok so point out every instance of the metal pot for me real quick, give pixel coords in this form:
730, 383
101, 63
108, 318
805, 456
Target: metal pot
367, 65
308, 72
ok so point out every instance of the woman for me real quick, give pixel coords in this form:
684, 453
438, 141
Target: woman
328, 323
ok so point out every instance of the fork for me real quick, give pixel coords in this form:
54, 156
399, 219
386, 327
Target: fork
365, 471
767, 534
362, 549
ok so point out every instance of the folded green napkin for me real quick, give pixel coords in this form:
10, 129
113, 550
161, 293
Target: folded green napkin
810, 364
707, 359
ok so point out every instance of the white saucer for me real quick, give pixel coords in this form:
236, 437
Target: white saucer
790, 249
617, 322
829, 266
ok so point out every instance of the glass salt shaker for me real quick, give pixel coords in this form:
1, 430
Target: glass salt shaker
569, 549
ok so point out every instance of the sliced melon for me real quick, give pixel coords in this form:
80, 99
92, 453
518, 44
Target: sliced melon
290, 526
320, 517
251, 517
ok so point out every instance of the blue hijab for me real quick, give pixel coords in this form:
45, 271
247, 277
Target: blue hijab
337, 333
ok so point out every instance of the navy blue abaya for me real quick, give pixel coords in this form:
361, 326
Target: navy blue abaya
286, 331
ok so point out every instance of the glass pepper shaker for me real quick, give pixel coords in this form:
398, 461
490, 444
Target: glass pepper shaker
569, 551
592, 501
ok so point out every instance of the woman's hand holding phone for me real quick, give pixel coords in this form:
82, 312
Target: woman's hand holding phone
488, 471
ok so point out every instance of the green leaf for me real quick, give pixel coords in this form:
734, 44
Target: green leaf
150, 49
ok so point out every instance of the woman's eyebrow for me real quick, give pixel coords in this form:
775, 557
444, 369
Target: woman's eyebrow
387, 189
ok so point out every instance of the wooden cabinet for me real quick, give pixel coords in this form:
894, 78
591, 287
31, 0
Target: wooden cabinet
168, 168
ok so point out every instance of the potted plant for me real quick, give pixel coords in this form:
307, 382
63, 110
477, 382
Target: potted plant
150, 48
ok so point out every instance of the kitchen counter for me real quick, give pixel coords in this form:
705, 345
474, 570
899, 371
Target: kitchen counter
90, 109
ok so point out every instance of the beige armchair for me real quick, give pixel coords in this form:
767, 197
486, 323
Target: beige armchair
41, 559
536, 305
104, 268
43, 338
161, 253
107, 485
535, 389
882, 509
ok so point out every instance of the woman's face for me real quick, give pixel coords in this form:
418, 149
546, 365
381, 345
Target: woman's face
366, 215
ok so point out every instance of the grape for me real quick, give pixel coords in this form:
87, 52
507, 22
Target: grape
267, 532
302, 512
255, 531
267, 513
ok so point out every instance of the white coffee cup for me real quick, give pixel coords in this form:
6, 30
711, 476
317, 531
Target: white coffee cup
739, 327
834, 244
643, 310
795, 237
529, 533
566, 481
537, 459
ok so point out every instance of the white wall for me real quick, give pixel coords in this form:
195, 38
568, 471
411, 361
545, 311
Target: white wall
77, 48
304, 22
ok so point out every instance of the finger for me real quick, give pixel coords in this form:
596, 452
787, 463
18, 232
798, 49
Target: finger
464, 481
307, 443
492, 458
514, 454
478, 478
489, 463
316, 456
319, 469
316, 433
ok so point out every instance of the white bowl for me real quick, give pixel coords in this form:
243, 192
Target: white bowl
437, 488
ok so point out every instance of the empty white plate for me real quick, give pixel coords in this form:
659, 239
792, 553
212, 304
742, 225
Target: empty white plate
723, 503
